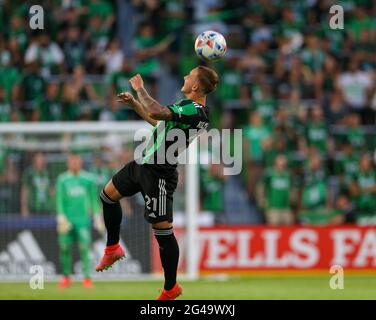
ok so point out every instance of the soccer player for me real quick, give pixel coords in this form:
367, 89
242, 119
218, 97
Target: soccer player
76, 198
153, 175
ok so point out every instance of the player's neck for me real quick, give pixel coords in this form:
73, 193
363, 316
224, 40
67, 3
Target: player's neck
197, 98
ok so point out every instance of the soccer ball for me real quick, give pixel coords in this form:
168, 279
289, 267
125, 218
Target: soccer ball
210, 46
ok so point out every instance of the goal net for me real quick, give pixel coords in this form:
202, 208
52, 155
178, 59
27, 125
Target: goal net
32, 155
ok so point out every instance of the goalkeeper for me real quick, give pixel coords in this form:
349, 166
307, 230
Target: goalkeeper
76, 195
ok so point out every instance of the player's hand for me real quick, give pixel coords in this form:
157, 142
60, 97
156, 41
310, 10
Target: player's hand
98, 224
137, 82
63, 225
125, 97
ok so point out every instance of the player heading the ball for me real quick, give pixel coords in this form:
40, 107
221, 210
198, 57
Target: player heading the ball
156, 181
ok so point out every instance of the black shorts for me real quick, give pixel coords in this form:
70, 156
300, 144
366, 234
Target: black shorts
157, 190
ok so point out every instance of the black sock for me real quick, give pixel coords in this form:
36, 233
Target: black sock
169, 252
112, 215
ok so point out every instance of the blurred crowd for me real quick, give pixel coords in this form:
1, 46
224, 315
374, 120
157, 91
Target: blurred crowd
303, 93
30, 188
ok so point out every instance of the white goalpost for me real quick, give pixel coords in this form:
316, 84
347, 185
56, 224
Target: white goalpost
19, 140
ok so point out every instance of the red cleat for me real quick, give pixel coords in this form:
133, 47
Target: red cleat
65, 283
171, 294
111, 255
87, 283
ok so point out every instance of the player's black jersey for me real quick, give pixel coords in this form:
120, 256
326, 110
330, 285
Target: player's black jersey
170, 137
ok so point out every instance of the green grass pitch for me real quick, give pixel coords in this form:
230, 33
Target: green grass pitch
243, 288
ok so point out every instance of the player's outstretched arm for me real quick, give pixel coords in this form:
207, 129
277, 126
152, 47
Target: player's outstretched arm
153, 108
127, 98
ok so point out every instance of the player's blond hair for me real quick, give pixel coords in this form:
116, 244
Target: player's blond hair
208, 79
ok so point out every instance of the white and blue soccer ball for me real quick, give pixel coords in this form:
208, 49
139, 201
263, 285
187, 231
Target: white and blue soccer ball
210, 45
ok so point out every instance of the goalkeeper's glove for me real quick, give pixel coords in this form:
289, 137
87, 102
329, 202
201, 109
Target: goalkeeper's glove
63, 225
98, 224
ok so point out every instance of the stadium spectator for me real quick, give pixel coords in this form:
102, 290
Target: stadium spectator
112, 58
276, 193
273, 146
346, 212
325, 78
229, 90
47, 53
104, 9
335, 111
363, 191
5, 107
75, 91
74, 47
361, 24
10, 75
265, 104
347, 162
315, 193
255, 135
15, 52
32, 89
101, 171
9, 185
37, 193
147, 47
355, 85
317, 134
98, 36
17, 30
99, 31
252, 60
212, 182
50, 108
354, 132
119, 80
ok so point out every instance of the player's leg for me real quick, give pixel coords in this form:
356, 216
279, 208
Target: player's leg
84, 241
65, 246
112, 216
121, 185
112, 213
158, 195
169, 253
